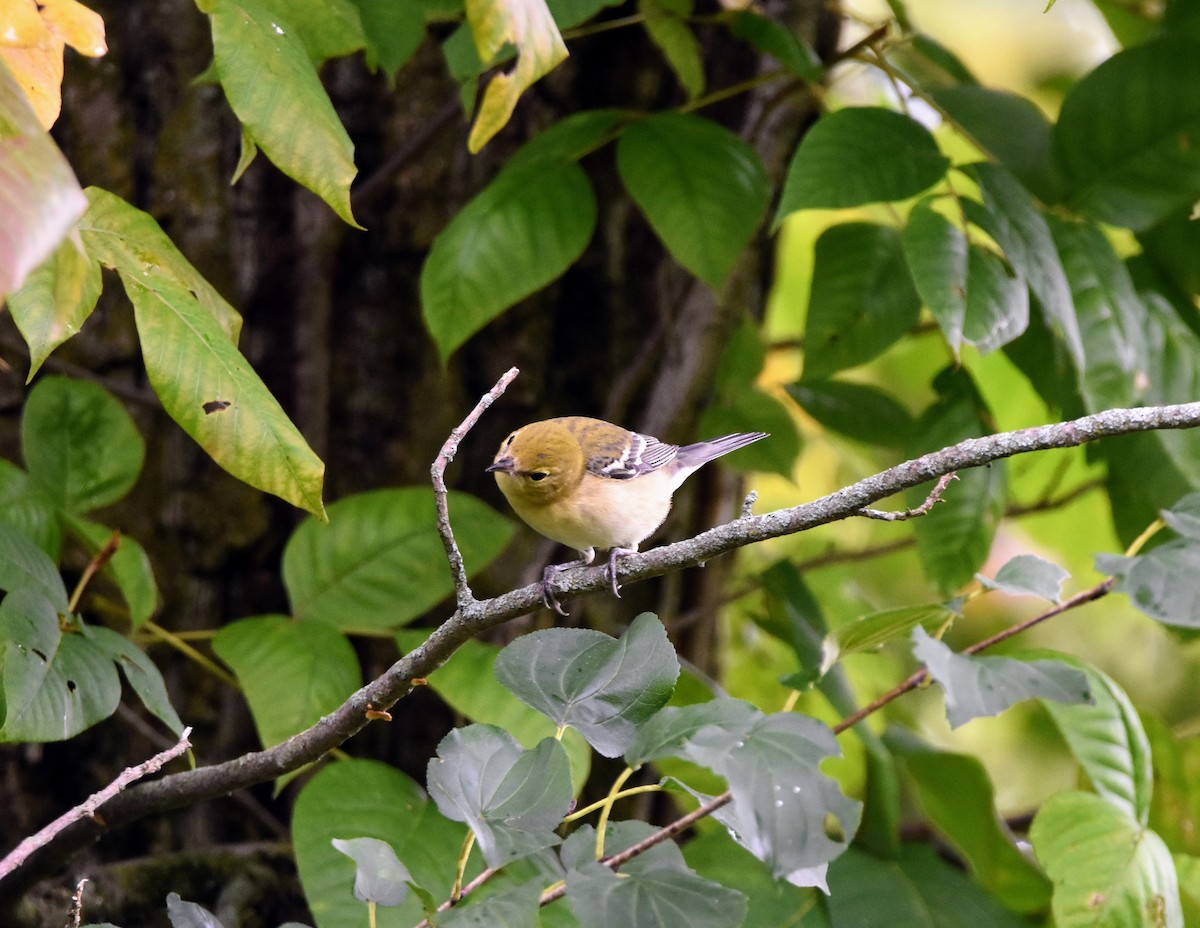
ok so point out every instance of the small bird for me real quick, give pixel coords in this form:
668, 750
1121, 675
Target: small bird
590, 484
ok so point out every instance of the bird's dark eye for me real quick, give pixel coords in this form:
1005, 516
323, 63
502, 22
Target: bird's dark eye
538, 475
508, 441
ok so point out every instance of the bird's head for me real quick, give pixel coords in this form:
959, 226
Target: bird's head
539, 463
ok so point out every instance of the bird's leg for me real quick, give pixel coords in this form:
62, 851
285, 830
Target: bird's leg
549, 600
611, 567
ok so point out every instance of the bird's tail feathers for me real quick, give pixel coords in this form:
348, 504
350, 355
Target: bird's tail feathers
692, 456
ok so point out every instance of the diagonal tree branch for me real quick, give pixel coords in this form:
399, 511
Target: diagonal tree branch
189, 787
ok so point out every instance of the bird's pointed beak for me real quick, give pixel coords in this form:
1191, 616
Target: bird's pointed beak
504, 465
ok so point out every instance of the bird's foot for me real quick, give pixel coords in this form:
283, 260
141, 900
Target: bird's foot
549, 600
611, 568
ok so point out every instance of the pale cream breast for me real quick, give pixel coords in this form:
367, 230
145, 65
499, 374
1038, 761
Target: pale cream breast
603, 513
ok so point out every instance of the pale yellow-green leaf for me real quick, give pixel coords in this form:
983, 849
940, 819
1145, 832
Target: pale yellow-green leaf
124, 238
526, 25
210, 389
56, 300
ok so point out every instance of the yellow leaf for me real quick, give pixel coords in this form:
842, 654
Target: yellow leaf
21, 26
32, 38
75, 24
529, 27
38, 72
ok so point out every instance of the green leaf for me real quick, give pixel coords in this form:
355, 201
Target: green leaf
511, 798
579, 849
784, 810
1150, 471
915, 889
529, 28
129, 567
666, 732
955, 536
1187, 869
25, 566
1107, 869
869, 632
781, 43
771, 903
703, 189
126, 239
393, 31
24, 508
379, 876
1171, 247
1175, 802
1126, 150
1023, 233
1160, 583
570, 138
190, 364
985, 686
860, 411
81, 446
140, 672
997, 302
328, 28
749, 409
517, 235
1028, 574
40, 198
273, 89
291, 673
862, 298
467, 684
1184, 517
601, 686
1110, 744
56, 300
794, 616
365, 798
516, 908
379, 563
936, 251
651, 898
859, 155
55, 685
957, 796
665, 22
1010, 128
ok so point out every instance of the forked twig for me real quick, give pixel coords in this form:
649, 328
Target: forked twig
462, 590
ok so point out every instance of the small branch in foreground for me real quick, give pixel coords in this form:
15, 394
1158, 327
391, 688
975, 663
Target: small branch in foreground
87, 808
462, 590
935, 496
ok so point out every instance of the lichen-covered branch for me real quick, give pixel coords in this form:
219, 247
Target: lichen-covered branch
192, 786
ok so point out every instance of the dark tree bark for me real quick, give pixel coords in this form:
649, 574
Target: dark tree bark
333, 325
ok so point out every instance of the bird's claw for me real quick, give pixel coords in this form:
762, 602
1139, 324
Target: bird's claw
549, 600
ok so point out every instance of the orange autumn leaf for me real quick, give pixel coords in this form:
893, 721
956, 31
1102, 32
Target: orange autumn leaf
32, 38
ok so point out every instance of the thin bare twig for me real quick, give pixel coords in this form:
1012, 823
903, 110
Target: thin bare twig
87, 808
935, 496
462, 590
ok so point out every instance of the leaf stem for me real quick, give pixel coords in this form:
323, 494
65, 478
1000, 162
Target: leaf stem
602, 822
102, 557
607, 800
463, 856
191, 653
